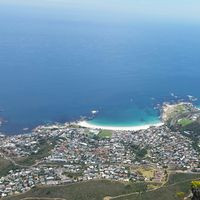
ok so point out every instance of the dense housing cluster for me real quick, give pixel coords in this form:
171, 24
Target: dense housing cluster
60, 154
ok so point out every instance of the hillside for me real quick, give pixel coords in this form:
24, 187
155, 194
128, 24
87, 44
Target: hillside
5, 166
91, 190
97, 190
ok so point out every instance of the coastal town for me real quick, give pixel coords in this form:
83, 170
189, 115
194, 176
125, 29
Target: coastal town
67, 153
99, 100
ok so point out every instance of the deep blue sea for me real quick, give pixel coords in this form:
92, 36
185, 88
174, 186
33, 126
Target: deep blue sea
57, 64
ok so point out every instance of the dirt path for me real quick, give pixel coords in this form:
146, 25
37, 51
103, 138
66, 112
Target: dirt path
162, 186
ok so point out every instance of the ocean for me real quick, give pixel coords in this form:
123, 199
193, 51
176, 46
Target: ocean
57, 64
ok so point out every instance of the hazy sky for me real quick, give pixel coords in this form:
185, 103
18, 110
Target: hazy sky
170, 10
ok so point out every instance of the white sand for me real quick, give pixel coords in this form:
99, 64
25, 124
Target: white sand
86, 124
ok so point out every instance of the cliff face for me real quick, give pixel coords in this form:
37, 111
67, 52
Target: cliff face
196, 194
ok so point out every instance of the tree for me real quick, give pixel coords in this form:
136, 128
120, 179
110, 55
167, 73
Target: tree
195, 185
180, 195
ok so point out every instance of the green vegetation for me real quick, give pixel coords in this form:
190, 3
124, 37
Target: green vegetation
179, 184
193, 128
179, 177
180, 195
45, 148
181, 108
186, 119
147, 172
5, 167
105, 134
194, 131
195, 184
91, 190
164, 193
178, 109
73, 175
179, 116
185, 122
139, 152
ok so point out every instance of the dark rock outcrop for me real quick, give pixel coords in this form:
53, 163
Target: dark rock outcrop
196, 193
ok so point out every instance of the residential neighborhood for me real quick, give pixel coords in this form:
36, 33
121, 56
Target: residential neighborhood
66, 153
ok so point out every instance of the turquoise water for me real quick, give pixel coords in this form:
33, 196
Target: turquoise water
131, 116
60, 61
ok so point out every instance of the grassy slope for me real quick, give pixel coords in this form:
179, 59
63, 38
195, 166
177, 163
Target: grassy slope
105, 134
96, 190
5, 166
176, 183
91, 190
179, 177
165, 193
185, 122
45, 148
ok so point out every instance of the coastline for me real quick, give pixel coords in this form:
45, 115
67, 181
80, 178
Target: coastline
86, 124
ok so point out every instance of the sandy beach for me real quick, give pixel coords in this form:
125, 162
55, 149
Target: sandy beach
86, 124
